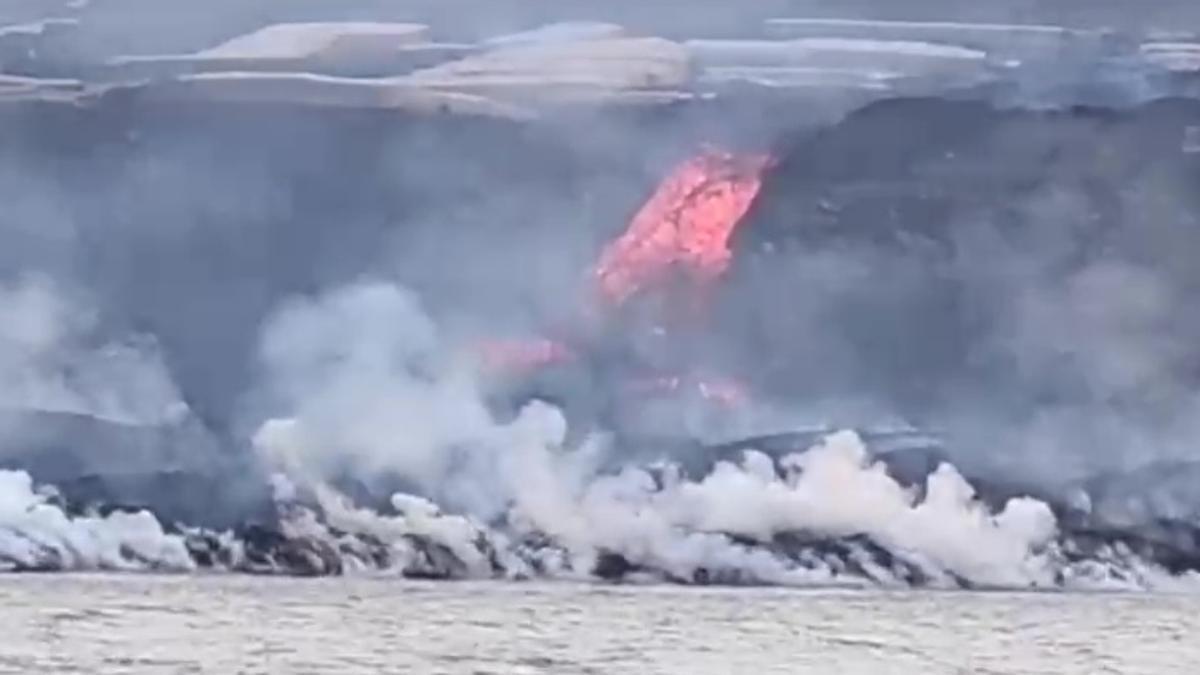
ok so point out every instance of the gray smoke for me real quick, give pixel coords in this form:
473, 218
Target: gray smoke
50, 360
309, 293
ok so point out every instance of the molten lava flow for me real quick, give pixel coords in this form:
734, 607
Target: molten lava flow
522, 355
726, 393
686, 225
681, 234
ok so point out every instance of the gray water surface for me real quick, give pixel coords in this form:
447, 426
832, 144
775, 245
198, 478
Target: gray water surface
105, 625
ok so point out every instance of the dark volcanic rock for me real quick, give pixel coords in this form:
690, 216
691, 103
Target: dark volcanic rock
883, 263
433, 561
270, 551
612, 566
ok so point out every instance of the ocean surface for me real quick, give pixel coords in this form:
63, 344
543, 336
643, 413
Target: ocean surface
109, 624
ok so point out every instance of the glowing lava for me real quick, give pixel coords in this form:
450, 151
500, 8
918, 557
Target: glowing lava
522, 355
726, 393
685, 227
682, 233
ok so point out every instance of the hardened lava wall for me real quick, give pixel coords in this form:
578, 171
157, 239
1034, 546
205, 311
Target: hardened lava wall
941, 259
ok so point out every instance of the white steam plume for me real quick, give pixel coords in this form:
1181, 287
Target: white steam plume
50, 361
36, 533
370, 388
370, 384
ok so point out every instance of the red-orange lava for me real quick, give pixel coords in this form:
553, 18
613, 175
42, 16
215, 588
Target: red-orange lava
683, 233
522, 355
685, 227
727, 393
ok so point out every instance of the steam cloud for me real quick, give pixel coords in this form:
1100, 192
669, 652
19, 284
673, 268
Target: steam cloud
345, 357
370, 387
365, 356
373, 389
50, 360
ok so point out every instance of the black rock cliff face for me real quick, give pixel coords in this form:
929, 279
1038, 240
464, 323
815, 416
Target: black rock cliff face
892, 255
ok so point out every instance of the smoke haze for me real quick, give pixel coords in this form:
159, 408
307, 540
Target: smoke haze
300, 290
